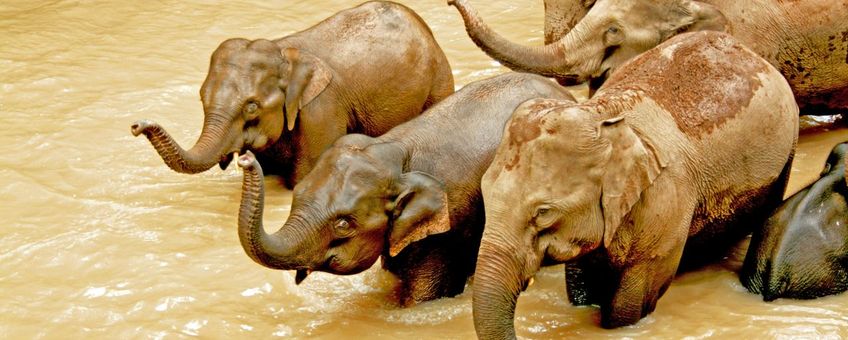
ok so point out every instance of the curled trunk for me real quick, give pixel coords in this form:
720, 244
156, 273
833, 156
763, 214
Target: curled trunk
207, 152
273, 251
549, 60
497, 284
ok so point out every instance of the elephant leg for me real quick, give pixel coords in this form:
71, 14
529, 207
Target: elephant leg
587, 279
431, 269
319, 127
642, 283
636, 296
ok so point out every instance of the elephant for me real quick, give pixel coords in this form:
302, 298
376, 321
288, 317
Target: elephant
802, 250
362, 70
684, 145
410, 196
807, 40
561, 16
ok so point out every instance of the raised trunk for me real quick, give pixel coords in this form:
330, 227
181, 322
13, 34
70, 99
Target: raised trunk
561, 16
549, 60
273, 251
497, 284
207, 152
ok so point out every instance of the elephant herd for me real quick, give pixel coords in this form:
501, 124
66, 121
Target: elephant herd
683, 149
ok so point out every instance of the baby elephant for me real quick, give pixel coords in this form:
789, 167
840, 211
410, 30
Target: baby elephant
802, 251
682, 146
370, 197
364, 70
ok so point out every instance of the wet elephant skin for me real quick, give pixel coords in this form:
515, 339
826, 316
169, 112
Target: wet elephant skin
801, 252
411, 196
660, 165
807, 40
363, 70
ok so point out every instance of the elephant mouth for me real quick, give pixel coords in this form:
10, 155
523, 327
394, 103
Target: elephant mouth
226, 159
301, 275
596, 81
238, 148
328, 266
569, 80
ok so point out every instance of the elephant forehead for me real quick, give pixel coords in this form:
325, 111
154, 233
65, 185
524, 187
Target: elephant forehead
703, 79
538, 125
523, 128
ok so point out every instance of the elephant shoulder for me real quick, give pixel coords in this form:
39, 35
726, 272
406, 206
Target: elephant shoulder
704, 79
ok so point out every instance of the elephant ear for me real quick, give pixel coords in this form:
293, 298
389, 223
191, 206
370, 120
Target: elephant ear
633, 165
303, 77
693, 16
420, 210
707, 18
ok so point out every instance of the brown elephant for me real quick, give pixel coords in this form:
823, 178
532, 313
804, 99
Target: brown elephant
364, 70
807, 40
687, 144
411, 195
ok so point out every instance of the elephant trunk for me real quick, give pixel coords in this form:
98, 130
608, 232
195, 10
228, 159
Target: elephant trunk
561, 17
206, 152
277, 251
549, 60
498, 282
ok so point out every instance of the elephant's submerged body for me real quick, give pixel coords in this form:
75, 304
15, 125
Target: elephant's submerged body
685, 144
411, 195
802, 250
362, 70
807, 40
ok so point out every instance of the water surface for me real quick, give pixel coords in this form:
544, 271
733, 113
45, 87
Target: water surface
100, 239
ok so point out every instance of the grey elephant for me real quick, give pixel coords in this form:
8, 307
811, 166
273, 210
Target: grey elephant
411, 195
807, 40
684, 145
364, 70
802, 250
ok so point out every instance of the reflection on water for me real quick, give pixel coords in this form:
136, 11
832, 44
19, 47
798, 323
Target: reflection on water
101, 239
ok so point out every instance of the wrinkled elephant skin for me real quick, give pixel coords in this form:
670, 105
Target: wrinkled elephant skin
802, 250
362, 70
616, 186
807, 40
411, 195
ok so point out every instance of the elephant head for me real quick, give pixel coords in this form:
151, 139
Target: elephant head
252, 90
352, 207
610, 33
559, 187
802, 250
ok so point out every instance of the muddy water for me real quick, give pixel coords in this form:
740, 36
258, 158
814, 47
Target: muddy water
100, 239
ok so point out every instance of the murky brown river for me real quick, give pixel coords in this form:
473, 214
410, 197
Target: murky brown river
100, 239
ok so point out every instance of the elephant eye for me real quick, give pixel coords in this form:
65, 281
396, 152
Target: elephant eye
613, 36
342, 228
544, 216
251, 108
542, 211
